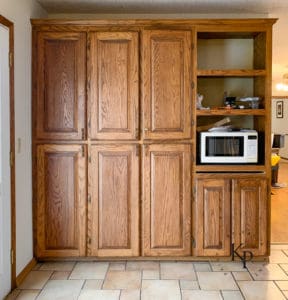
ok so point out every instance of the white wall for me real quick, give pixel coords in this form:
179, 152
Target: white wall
20, 12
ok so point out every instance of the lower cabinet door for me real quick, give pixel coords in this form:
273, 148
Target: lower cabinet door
166, 200
249, 200
61, 201
212, 235
113, 212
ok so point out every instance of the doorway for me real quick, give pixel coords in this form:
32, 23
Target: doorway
7, 161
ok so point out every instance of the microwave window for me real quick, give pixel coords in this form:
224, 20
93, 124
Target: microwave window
224, 146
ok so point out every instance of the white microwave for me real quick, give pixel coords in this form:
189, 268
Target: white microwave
231, 147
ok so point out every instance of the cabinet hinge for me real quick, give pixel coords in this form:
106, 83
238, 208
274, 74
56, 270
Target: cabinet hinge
12, 256
193, 242
83, 133
10, 59
11, 159
82, 151
137, 150
89, 198
89, 159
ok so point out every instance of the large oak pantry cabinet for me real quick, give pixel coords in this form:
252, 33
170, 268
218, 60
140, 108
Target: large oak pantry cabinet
115, 138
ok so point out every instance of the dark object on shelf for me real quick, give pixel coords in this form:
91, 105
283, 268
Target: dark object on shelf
230, 101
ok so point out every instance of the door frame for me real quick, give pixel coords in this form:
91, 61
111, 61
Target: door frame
10, 26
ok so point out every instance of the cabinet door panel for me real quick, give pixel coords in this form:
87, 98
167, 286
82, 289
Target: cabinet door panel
61, 201
212, 217
166, 214
166, 77
114, 210
114, 85
250, 215
60, 106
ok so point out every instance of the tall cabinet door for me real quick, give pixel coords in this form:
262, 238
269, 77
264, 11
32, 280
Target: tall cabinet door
166, 200
114, 85
61, 201
166, 84
61, 83
249, 200
212, 218
113, 212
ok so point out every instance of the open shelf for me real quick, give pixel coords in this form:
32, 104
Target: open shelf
231, 73
229, 112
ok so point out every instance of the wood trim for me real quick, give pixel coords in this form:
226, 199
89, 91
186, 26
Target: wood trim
280, 97
22, 275
10, 25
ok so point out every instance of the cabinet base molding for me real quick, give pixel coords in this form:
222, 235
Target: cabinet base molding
22, 275
150, 258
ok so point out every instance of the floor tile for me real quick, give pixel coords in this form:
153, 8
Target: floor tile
177, 270
242, 276
13, 295
160, 290
214, 281
279, 246
130, 295
189, 284
28, 295
37, 266
57, 266
228, 266
93, 284
201, 295
285, 294
58, 275
232, 295
117, 266
142, 265
278, 257
283, 285
61, 289
99, 295
265, 271
284, 267
122, 280
202, 267
35, 280
260, 290
150, 274
89, 270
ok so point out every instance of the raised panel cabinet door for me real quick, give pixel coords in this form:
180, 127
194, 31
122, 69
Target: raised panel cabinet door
166, 84
167, 200
212, 218
114, 90
249, 201
61, 201
113, 212
60, 81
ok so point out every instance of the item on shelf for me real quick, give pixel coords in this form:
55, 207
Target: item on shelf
216, 124
230, 102
254, 101
199, 102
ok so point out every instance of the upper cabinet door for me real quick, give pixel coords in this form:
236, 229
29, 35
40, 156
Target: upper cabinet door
166, 84
113, 82
61, 83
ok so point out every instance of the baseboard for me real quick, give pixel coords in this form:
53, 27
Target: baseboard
20, 278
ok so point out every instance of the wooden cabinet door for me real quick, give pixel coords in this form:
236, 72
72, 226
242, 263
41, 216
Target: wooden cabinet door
166, 84
212, 218
60, 68
249, 201
61, 201
166, 200
113, 213
114, 90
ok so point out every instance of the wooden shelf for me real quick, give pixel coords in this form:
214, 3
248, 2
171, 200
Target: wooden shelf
230, 168
234, 112
231, 73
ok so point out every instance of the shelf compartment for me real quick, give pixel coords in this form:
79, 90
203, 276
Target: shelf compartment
231, 73
234, 112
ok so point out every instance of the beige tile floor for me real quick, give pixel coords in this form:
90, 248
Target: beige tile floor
154, 280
